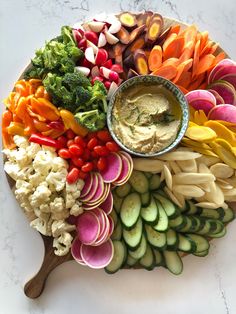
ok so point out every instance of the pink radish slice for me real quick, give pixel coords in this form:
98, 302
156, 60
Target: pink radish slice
104, 235
115, 27
230, 78
226, 91
88, 227
112, 90
219, 99
230, 69
113, 169
102, 220
87, 185
100, 189
112, 225
97, 256
95, 71
102, 40
76, 35
92, 191
125, 172
89, 55
201, 100
223, 112
107, 205
103, 197
111, 39
108, 64
75, 251
101, 56
83, 70
96, 26
226, 63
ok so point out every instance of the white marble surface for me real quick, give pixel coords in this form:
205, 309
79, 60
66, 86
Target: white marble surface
207, 285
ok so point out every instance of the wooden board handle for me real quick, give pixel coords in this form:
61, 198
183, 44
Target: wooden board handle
35, 286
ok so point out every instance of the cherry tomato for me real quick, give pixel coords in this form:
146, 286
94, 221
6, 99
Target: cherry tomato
64, 153
62, 141
86, 154
83, 175
92, 143
87, 167
76, 150
112, 146
101, 150
91, 135
80, 141
70, 134
102, 163
73, 176
94, 154
77, 162
70, 142
104, 135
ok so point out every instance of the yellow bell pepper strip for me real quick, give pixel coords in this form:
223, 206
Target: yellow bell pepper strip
41, 126
41, 93
35, 115
11, 101
7, 139
43, 140
45, 108
16, 128
70, 123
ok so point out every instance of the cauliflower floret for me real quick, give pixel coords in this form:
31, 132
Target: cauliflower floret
57, 205
76, 209
60, 215
62, 244
41, 195
48, 148
42, 215
70, 200
25, 172
57, 180
60, 226
23, 187
45, 208
32, 150
36, 178
42, 226
26, 205
42, 162
10, 154
21, 141
59, 163
22, 157
12, 169
75, 188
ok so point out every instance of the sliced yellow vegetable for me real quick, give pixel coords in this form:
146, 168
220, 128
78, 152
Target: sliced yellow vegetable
222, 131
201, 133
192, 144
200, 117
191, 123
224, 154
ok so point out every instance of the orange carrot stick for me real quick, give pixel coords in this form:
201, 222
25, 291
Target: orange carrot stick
185, 79
203, 39
168, 40
189, 33
155, 58
183, 90
204, 64
196, 58
173, 61
187, 52
174, 49
183, 67
166, 71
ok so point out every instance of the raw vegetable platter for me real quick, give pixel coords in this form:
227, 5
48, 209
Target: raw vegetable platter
90, 200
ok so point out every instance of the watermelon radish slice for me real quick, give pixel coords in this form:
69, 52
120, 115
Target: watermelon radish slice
88, 227
201, 100
87, 185
219, 99
226, 91
102, 219
75, 251
231, 69
92, 191
97, 256
223, 112
128, 156
104, 235
100, 189
112, 225
103, 197
125, 172
230, 78
222, 68
112, 172
107, 205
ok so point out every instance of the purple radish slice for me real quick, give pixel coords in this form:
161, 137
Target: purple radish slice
125, 172
97, 256
224, 64
122, 153
92, 191
75, 251
201, 100
230, 69
107, 205
103, 197
224, 113
102, 220
219, 99
112, 225
225, 90
113, 169
104, 236
87, 185
230, 78
100, 189
88, 227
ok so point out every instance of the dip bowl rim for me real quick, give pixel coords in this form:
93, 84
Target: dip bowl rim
176, 92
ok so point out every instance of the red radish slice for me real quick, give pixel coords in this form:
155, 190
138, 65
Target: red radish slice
230, 78
89, 55
76, 35
87, 185
83, 70
109, 74
226, 91
114, 167
224, 64
219, 99
95, 71
100, 189
95, 48
77, 26
111, 39
101, 56
223, 112
107, 205
125, 172
108, 64
102, 40
92, 37
97, 256
112, 90
75, 251
117, 68
92, 191
115, 26
96, 26
112, 225
88, 227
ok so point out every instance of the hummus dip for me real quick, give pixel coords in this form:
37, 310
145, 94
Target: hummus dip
146, 118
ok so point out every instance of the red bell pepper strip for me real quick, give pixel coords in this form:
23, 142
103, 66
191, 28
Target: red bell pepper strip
43, 140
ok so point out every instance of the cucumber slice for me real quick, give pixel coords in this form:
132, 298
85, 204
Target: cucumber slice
192, 209
173, 262
159, 259
140, 251
206, 228
154, 182
133, 236
213, 213
123, 190
117, 201
219, 234
139, 182
117, 233
219, 227
229, 215
178, 223
188, 226
114, 217
163, 221
118, 259
201, 243
169, 207
150, 213
148, 174
148, 259
130, 209
197, 223
145, 198
172, 240
202, 254
131, 261
186, 244
155, 238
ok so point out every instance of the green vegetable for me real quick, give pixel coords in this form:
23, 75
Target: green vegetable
59, 55
92, 120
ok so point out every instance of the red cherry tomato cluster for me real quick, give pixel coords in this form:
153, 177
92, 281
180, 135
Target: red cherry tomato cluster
85, 154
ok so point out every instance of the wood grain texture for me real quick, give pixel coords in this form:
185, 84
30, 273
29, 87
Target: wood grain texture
34, 287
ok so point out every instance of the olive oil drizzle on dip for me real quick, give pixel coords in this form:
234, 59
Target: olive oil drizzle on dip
146, 118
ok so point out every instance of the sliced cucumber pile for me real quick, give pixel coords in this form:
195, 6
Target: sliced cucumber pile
151, 231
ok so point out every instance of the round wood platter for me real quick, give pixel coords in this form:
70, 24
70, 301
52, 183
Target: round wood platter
35, 286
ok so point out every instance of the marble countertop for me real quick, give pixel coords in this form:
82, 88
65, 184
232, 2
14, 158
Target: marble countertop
207, 285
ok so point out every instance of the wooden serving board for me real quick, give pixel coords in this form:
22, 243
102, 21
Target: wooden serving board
35, 286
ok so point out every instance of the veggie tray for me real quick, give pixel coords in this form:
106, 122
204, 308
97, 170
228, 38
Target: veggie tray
91, 200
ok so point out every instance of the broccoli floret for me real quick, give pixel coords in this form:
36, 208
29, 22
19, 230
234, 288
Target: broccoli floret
99, 95
75, 79
82, 96
93, 120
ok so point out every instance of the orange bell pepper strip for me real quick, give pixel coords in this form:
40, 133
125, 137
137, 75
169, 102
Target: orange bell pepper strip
16, 118
45, 108
34, 84
7, 139
70, 123
21, 108
22, 87
53, 133
41, 93
41, 126
16, 128
35, 115
29, 125
11, 101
